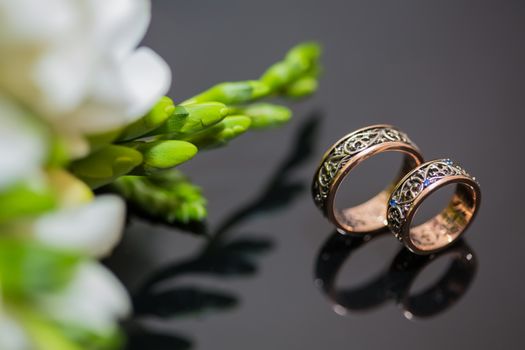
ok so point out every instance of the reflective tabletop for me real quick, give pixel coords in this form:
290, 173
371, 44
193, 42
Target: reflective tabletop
267, 270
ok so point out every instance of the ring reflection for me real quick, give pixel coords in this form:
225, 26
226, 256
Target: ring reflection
397, 281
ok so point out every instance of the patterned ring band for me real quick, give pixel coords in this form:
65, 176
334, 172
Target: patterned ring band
346, 154
443, 229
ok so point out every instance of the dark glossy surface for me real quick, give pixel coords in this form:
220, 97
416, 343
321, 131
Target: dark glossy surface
449, 73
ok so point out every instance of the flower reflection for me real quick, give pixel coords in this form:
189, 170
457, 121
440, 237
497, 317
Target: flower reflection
397, 281
167, 293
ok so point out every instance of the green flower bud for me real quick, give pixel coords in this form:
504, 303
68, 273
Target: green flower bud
187, 212
302, 87
106, 165
167, 195
189, 119
305, 54
155, 118
234, 126
264, 115
99, 141
279, 75
161, 155
232, 93
300, 61
219, 134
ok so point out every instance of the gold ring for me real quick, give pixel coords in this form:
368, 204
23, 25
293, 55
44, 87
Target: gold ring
346, 154
443, 229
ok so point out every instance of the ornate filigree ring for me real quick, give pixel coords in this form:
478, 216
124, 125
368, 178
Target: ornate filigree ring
443, 229
342, 157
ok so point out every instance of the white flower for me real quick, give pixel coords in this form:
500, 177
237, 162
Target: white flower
12, 335
94, 299
94, 228
22, 144
75, 62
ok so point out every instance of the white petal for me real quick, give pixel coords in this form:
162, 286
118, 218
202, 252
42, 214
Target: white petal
43, 57
146, 78
62, 78
136, 83
94, 117
119, 25
95, 299
94, 229
21, 21
111, 31
12, 336
76, 66
123, 92
22, 145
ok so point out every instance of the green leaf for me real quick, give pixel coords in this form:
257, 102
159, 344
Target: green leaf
162, 155
155, 118
25, 199
264, 115
106, 165
168, 196
219, 134
28, 269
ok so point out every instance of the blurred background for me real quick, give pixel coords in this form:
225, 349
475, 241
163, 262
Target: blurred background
449, 73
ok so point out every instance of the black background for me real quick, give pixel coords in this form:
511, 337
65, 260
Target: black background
449, 73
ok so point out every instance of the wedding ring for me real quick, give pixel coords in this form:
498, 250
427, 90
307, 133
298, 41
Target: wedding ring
345, 155
447, 226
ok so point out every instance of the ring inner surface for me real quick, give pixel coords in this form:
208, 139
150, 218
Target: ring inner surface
446, 227
370, 215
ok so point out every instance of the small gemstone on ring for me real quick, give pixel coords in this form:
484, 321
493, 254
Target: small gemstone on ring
426, 183
392, 202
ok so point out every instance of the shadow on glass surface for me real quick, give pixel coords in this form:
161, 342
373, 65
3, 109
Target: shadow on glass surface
397, 281
222, 255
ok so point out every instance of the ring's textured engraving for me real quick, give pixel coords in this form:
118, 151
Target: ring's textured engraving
344, 150
409, 192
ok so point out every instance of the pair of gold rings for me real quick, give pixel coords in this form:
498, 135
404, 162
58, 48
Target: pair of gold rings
396, 206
